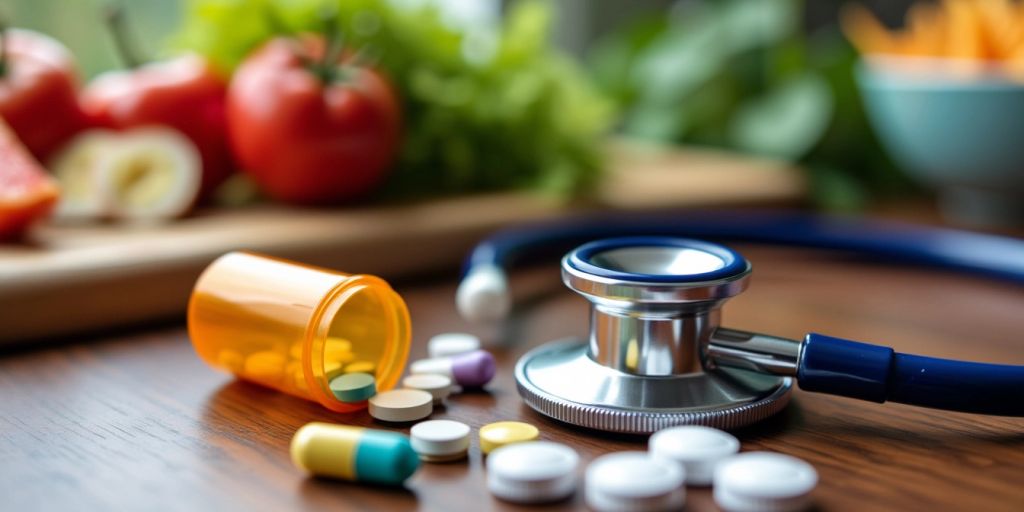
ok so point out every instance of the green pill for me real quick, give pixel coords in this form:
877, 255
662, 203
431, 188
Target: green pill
354, 387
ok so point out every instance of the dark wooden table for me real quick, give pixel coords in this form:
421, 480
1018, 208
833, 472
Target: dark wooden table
134, 420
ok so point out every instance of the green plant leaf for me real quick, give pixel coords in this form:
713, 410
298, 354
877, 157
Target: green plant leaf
787, 121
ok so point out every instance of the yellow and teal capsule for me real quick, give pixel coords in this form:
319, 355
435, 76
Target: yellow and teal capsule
354, 453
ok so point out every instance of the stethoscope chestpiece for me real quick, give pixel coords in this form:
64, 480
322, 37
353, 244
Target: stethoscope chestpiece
655, 302
654, 299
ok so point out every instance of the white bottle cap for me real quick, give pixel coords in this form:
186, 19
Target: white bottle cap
764, 481
452, 344
634, 482
483, 295
697, 448
439, 386
440, 440
437, 365
532, 472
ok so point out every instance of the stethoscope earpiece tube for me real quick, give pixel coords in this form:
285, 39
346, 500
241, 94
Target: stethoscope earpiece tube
879, 374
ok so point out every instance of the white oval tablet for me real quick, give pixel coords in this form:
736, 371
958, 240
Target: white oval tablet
532, 472
401, 405
440, 440
764, 481
698, 449
634, 482
439, 386
452, 344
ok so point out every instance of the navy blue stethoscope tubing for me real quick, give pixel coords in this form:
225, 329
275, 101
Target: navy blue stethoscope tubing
827, 364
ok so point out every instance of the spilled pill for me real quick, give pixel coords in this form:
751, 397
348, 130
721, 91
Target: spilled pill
439, 386
532, 472
353, 387
755, 481
634, 482
698, 449
501, 433
401, 405
440, 440
469, 370
354, 453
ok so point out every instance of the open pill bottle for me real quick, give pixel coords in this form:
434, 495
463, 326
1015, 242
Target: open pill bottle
293, 327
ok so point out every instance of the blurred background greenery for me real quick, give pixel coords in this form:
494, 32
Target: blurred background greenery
487, 98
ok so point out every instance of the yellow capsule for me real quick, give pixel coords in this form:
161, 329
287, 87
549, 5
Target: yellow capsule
333, 369
231, 361
502, 433
265, 366
338, 349
361, 367
354, 453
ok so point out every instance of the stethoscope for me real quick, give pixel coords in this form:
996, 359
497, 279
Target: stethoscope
656, 355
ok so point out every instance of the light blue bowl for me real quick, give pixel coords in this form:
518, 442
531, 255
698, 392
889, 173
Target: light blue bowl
965, 138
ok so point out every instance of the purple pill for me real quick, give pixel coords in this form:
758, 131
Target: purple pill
473, 369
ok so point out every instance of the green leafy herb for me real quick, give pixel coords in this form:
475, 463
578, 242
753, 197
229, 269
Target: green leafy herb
742, 74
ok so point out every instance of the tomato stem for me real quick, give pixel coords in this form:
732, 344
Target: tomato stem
113, 16
3, 46
333, 44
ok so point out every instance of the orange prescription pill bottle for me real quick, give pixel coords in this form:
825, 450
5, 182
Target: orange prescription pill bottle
293, 327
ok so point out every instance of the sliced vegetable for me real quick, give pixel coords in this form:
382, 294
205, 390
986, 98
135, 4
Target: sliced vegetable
149, 174
27, 193
185, 93
75, 168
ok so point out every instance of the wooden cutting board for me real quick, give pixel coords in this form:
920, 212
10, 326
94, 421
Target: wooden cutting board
75, 279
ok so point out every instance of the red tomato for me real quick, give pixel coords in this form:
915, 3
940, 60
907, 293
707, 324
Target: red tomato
307, 140
38, 97
185, 93
27, 192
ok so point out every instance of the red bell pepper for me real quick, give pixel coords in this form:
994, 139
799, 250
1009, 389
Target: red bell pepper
27, 192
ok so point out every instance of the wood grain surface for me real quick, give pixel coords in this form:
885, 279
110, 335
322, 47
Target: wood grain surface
134, 421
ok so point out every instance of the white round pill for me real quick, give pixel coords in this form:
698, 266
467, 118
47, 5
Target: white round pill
532, 472
452, 344
440, 440
401, 405
698, 449
439, 386
764, 481
634, 482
